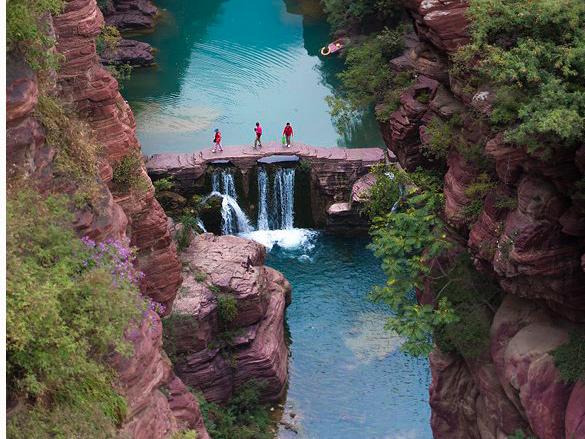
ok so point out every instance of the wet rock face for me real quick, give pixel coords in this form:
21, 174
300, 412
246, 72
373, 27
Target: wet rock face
217, 355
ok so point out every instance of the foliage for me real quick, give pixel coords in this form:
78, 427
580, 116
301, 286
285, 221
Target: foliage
570, 357
120, 73
519, 434
77, 150
244, 417
407, 240
354, 14
441, 138
26, 31
108, 39
128, 174
227, 309
506, 202
476, 193
164, 184
60, 320
175, 325
367, 76
184, 235
385, 193
534, 53
186, 434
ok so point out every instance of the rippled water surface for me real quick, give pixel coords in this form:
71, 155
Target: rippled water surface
229, 63
347, 377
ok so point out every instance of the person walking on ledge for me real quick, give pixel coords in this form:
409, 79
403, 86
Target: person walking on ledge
258, 131
287, 133
217, 141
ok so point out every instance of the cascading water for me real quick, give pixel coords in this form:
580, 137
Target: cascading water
283, 196
234, 220
262, 199
278, 214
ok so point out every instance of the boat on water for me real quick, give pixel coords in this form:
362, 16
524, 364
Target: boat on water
334, 46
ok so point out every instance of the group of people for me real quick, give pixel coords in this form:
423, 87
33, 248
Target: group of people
287, 134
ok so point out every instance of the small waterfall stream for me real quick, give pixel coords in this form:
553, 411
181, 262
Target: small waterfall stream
278, 214
234, 220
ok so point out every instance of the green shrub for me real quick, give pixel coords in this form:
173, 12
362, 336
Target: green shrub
533, 55
244, 416
183, 236
26, 32
108, 39
120, 72
385, 193
74, 141
356, 14
60, 320
441, 138
227, 309
406, 240
476, 193
570, 357
164, 184
187, 434
128, 174
506, 202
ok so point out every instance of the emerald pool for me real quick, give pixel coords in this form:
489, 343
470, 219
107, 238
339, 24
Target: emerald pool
348, 378
230, 63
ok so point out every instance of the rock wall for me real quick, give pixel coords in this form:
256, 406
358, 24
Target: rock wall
158, 402
215, 354
529, 235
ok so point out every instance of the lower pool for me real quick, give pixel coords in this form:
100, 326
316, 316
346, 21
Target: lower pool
348, 378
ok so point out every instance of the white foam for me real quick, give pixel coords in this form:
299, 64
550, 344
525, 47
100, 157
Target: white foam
289, 239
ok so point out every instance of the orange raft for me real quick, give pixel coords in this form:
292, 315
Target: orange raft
333, 47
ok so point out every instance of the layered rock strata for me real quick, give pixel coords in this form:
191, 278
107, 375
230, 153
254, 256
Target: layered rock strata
529, 234
159, 404
217, 354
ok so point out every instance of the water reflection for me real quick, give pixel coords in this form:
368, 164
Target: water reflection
229, 63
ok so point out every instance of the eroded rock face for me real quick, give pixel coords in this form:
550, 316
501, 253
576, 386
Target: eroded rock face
159, 404
131, 14
218, 356
94, 92
132, 52
528, 235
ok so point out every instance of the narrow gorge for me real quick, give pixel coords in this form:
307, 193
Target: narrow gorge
412, 266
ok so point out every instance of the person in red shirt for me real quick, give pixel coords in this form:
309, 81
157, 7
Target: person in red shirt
258, 131
287, 133
217, 141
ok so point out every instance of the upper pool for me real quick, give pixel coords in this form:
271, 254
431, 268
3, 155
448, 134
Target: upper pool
230, 63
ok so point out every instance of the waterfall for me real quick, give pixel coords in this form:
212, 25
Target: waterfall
262, 199
234, 220
223, 182
283, 198
276, 203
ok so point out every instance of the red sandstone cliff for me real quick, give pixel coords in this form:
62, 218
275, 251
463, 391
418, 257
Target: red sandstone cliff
159, 404
533, 245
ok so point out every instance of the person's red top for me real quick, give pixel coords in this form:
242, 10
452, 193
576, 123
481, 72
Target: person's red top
217, 138
258, 129
288, 130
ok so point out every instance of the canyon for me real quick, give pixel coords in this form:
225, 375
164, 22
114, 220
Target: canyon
534, 245
534, 248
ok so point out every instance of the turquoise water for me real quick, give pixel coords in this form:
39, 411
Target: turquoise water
230, 63
347, 377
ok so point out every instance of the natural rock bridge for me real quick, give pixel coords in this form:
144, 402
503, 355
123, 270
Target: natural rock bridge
331, 182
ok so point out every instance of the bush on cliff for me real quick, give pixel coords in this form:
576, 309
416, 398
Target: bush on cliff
534, 52
128, 174
412, 243
68, 304
570, 357
244, 416
360, 15
26, 31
